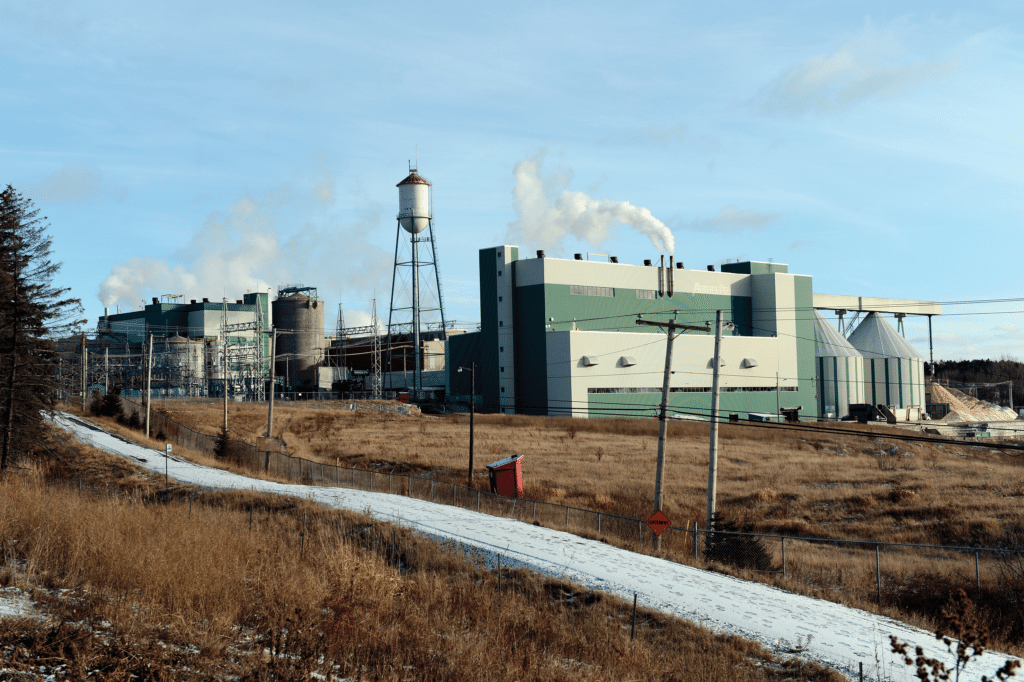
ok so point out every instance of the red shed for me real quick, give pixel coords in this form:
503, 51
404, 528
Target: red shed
507, 476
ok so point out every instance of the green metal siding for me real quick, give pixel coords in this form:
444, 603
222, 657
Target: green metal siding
488, 369
531, 352
806, 394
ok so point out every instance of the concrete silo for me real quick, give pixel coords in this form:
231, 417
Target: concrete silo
893, 370
299, 320
840, 370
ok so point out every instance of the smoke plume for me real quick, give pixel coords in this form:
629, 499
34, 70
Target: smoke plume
545, 217
242, 250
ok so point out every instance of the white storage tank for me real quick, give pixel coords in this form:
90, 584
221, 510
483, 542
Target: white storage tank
414, 203
893, 370
840, 369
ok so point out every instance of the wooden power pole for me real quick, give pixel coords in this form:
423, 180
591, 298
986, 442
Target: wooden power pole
659, 477
149, 381
713, 448
270, 406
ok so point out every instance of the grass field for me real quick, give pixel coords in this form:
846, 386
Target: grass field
856, 485
195, 586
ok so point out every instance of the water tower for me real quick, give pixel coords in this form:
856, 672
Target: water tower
405, 322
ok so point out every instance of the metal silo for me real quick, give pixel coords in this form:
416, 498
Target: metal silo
840, 370
299, 320
893, 370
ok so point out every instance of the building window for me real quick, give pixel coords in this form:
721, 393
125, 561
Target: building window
650, 294
502, 369
502, 389
499, 273
579, 290
500, 323
501, 349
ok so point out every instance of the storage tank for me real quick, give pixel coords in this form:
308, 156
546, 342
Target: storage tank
893, 370
840, 369
414, 203
299, 320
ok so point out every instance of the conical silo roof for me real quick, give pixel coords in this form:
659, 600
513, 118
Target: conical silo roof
828, 342
875, 338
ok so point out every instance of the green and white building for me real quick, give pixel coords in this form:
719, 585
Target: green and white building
560, 337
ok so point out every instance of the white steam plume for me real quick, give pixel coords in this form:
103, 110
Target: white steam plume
545, 221
240, 250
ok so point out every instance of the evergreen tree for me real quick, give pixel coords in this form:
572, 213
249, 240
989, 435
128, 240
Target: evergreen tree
33, 312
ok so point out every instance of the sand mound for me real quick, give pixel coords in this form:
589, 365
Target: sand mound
964, 408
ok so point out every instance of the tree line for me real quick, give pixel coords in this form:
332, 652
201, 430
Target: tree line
974, 376
34, 313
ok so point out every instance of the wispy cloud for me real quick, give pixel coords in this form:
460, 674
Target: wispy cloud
800, 243
730, 220
73, 182
872, 66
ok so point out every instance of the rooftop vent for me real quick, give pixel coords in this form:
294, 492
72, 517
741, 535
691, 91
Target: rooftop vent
578, 256
193, 300
647, 262
540, 253
627, 360
239, 301
156, 300
748, 363
711, 268
679, 265
206, 300
589, 360
613, 259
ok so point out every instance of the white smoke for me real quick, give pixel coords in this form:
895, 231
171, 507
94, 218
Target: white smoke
241, 250
545, 217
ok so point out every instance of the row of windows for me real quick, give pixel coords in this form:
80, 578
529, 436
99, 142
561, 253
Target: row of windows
690, 389
649, 294
579, 290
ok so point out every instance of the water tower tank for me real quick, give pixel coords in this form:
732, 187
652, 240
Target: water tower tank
414, 203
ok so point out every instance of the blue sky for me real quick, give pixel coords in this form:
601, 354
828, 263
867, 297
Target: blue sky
211, 148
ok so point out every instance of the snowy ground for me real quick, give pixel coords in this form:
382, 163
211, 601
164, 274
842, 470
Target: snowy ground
831, 634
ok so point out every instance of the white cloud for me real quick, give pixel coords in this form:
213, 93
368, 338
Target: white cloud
871, 66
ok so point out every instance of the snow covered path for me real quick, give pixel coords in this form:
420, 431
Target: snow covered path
834, 635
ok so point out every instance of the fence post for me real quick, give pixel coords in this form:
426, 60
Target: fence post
455, 496
371, 481
535, 511
598, 522
695, 556
977, 573
431, 490
499, 586
353, 477
783, 556
478, 499
878, 576
632, 628
566, 517
302, 536
250, 519
513, 507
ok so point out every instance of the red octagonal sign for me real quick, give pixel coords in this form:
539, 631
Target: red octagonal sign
658, 522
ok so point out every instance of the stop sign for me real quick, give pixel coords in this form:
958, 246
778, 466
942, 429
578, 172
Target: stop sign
658, 522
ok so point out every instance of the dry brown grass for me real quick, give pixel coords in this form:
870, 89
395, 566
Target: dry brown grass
847, 486
856, 485
140, 586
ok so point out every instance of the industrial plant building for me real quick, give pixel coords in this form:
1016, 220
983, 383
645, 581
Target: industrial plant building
560, 337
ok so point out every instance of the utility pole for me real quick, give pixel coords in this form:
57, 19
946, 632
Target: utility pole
713, 453
85, 371
106, 371
149, 381
270, 408
659, 480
